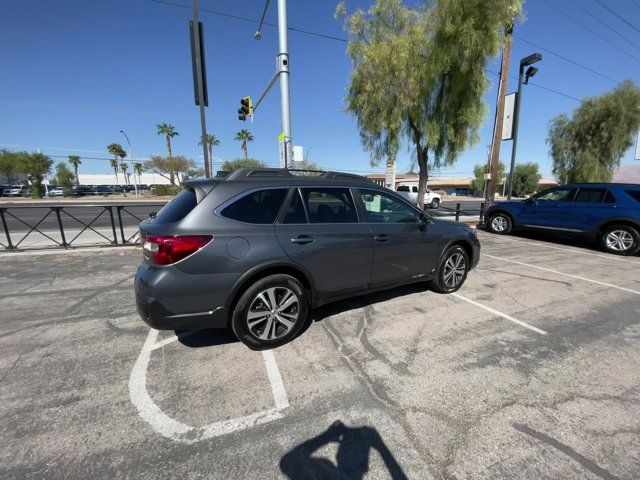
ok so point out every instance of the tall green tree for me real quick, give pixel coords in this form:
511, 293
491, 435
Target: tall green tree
36, 166
526, 179
123, 168
10, 164
244, 136
588, 147
64, 178
212, 141
479, 171
138, 168
75, 161
231, 165
418, 75
169, 131
118, 152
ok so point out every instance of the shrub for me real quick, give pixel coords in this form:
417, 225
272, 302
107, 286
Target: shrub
161, 190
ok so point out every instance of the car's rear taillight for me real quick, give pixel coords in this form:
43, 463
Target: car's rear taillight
168, 249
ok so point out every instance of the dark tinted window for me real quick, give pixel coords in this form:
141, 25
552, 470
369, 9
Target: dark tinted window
634, 194
257, 207
176, 209
382, 208
403, 188
330, 205
590, 195
295, 212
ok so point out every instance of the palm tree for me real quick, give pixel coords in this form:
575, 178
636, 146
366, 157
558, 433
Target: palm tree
114, 165
116, 150
168, 131
244, 136
123, 167
211, 142
75, 161
137, 170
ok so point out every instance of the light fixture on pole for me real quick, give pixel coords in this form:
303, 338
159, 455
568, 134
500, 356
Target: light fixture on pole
531, 71
135, 185
258, 34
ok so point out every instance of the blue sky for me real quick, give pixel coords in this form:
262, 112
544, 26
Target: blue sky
75, 72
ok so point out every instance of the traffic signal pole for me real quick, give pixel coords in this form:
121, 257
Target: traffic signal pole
200, 87
283, 71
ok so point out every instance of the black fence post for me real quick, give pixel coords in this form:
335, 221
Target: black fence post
118, 208
113, 224
6, 229
64, 240
457, 212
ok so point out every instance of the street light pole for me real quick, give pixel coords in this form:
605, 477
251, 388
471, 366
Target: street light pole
283, 70
531, 59
200, 86
135, 185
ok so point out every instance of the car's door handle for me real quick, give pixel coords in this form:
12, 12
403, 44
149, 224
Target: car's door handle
382, 238
303, 239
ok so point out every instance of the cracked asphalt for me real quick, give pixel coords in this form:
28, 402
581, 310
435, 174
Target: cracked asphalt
530, 372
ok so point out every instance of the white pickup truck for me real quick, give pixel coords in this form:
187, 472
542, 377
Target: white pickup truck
431, 199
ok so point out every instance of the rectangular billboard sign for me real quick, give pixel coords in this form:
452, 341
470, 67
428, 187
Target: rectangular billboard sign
507, 117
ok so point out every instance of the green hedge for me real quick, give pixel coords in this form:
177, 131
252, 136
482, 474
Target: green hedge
162, 190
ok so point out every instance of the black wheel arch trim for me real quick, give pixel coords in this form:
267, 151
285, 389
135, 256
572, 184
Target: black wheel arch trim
613, 220
457, 241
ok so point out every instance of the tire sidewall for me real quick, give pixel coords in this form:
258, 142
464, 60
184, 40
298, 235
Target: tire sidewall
634, 233
239, 323
506, 217
435, 203
439, 283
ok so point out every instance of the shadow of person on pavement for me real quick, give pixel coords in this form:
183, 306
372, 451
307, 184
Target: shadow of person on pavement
354, 446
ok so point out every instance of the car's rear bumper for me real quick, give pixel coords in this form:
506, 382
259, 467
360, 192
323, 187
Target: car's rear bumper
156, 315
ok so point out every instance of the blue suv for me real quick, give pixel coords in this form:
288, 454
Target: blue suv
606, 212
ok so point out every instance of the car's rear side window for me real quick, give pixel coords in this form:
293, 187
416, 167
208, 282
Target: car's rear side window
260, 207
295, 211
635, 194
178, 208
403, 188
590, 195
330, 205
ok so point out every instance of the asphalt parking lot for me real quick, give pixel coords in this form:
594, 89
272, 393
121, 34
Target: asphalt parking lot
530, 371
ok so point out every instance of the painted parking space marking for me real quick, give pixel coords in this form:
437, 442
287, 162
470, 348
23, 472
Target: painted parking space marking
500, 314
180, 432
577, 277
544, 245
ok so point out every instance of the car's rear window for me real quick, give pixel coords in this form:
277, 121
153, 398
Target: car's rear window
178, 208
635, 194
260, 207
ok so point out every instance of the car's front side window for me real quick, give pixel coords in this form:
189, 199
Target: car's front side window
260, 207
382, 208
556, 195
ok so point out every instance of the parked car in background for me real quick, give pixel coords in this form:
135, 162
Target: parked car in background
16, 191
56, 191
259, 248
85, 190
3, 188
410, 192
604, 212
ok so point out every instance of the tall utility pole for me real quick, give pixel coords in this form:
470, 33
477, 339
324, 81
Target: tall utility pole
494, 157
199, 69
283, 70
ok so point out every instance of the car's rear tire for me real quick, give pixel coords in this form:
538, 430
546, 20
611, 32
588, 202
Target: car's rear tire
435, 203
452, 271
620, 240
270, 312
500, 223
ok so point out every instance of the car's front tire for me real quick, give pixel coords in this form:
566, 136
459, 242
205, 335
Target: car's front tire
500, 223
452, 271
270, 312
620, 240
435, 203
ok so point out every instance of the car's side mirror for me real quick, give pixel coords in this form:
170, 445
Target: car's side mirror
422, 222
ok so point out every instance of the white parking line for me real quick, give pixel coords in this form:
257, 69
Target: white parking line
500, 314
544, 245
180, 432
562, 273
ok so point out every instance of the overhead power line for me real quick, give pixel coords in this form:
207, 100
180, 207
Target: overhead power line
566, 59
599, 20
589, 29
619, 17
537, 85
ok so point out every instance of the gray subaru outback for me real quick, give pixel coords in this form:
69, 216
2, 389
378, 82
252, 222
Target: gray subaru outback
259, 248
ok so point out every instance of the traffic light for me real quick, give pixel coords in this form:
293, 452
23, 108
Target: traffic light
246, 108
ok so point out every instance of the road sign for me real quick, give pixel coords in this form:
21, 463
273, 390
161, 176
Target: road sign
195, 64
507, 118
637, 155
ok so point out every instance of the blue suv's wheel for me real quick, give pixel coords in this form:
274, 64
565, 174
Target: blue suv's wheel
500, 223
620, 240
